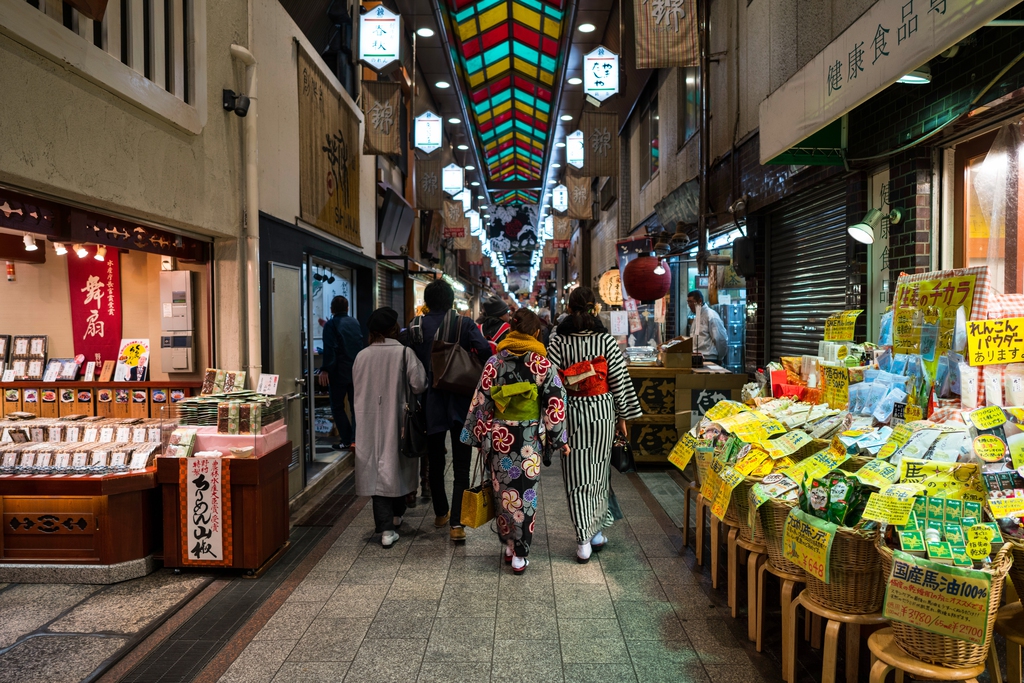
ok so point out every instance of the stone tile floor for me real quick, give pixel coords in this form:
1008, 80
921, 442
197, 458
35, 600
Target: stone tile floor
428, 610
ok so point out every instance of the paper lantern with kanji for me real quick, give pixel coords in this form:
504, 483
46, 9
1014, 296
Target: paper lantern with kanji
643, 282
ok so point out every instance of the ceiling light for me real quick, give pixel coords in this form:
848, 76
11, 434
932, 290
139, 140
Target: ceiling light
556, 165
553, 181
60, 248
425, 32
574, 81
101, 253
475, 184
30, 242
470, 168
443, 84
455, 121
480, 196
566, 117
81, 251
559, 144
587, 28
463, 147
919, 76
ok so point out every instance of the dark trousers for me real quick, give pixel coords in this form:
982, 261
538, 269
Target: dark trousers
462, 456
338, 390
385, 509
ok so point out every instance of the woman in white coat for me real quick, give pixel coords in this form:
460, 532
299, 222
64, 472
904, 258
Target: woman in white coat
382, 375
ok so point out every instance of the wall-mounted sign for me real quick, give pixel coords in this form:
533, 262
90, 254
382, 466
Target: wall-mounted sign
549, 227
600, 74
474, 223
466, 198
574, 149
560, 198
427, 132
453, 178
379, 37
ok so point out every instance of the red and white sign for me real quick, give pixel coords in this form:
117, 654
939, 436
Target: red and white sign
206, 512
95, 288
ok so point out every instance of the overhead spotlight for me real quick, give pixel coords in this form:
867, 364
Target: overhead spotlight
443, 84
553, 181
330, 280
101, 252
425, 32
574, 81
463, 147
920, 76
60, 248
30, 242
566, 117
470, 168
480, 196
556, 165
587, 28
559, 144
454, 121
475, 184
80, 250
316, 275
866, 231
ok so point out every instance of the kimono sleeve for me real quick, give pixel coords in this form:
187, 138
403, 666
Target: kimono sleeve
552, 405
627, 406
481, 409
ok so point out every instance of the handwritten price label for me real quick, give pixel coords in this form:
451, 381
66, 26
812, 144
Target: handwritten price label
683, 451
1006, 507
888, 509
979, 542
878, 473
725, 409
988, 418
807, 543
840, 326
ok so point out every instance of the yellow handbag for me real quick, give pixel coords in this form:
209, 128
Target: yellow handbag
478, 501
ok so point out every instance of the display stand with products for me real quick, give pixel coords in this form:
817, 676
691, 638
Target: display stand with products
93, 398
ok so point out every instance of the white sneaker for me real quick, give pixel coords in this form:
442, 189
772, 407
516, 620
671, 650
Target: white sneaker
597, 543
397, 521
388, 538
583, 553
519, 564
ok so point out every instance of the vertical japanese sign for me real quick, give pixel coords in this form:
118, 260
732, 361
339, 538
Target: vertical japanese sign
580, 203
837, 386
428, 184
328, 155
562, 232
381, 102
95, 289
600, 73
601, 141
206, 512
666, 33
380, 37
454, 219
807, 543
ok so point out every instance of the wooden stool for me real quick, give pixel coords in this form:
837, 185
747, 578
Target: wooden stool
887, 656
1010, 625
834, 620
788, 583
716, 544
703, 506
691, 491
757, 555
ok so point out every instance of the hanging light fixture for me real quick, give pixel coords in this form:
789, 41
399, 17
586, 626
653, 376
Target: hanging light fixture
866, 231
81, 251
101, 252
60, 248
30, 242
330, 279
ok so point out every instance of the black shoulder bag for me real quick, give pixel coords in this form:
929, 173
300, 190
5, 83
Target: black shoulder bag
413, 443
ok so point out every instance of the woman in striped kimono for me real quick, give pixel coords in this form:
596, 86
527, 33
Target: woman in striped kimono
600, 400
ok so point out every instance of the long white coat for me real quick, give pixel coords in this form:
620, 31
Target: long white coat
380, 390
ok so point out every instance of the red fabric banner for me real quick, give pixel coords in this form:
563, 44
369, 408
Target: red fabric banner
95, 288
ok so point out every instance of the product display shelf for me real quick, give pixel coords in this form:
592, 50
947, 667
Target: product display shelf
106, 399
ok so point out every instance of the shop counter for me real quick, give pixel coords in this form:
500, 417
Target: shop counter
672, 399
255, 513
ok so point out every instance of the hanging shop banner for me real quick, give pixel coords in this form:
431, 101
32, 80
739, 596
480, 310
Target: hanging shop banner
550, 257
381, 102
475, 253
995, 342
328, 156
938, 598
890, 40
600, 74
837, 386
380, 37
206, 512
428, 185
807, 543
840, 326
574, 147
427, 132
581, 205
561, 228
95, 289
601, 139
463, 243
436, 233
666, 33
454, 219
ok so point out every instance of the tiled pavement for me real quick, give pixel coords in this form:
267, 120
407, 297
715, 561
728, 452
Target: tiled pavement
430, 611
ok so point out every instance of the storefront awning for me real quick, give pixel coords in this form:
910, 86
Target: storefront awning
890, 40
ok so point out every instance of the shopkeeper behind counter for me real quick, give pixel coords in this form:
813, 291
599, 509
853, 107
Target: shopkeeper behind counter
708, 330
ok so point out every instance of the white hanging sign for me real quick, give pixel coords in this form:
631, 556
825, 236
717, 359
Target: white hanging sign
466, 198
379, 37
560, 198
474, 223
601, 73
427, 132
574, 146
453, 178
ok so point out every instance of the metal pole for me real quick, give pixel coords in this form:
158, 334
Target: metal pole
704, 151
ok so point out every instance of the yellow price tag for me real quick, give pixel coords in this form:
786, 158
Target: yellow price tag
787, 444
840, 326
995, 342
988, 418
979, 542
683, 451
878, 473
724, 409
989, 447
751, 461
888, 509
912, 413
899, 436
815, 466
1006, 507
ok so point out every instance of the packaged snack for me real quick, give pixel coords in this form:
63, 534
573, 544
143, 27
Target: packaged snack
817, 498
960, 557
955, 534
954, 511
912, 543
936, 509
940, 552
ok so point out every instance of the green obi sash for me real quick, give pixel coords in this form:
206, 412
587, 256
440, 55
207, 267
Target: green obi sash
516, 402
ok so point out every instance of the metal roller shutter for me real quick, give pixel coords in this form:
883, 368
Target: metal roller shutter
807, 261
390, 292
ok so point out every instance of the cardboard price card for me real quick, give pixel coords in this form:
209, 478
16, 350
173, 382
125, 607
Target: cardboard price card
878, 473
816, 466
836, 383
787, 444
721, 480
956, 480
725, 409
839, 326
683, 451
1006, 507
988, 418
807, 543
995, 342
889, 509
937, 598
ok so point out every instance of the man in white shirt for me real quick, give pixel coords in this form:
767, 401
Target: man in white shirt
708, 331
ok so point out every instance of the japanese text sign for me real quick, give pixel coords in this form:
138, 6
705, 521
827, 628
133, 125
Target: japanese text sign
379, 37
206, 512
683, 451
717, 488
995, 342
889, 509
837, 386
941, 295
725, 409
95, 288
957, 480
787, 444
878, 473
600, 73
817, 465
427, 132
840, 326
938, 598
807, 543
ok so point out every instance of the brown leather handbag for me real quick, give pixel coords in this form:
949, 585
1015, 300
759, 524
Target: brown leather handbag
454, 368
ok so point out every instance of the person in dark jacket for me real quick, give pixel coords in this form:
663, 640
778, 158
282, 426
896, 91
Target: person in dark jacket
446, 412
343, 339
494, 321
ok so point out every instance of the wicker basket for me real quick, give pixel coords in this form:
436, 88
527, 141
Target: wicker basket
855, 463
943, 650
1017, 569
741, 504
856, 583
773, 516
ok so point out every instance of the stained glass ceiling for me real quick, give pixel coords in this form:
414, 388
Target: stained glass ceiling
509, 53
518, 197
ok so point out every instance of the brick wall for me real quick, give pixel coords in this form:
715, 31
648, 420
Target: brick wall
910, 191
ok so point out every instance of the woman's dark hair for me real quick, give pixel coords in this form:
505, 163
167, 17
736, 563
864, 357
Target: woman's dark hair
581, 309
525, 322
439, 296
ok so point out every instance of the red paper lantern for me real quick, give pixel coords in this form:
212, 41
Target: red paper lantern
642, 283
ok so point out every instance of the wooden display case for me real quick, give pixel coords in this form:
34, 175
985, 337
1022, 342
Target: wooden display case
126, 399
259, 508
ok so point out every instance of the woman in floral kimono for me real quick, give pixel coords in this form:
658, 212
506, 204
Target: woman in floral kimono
517, 419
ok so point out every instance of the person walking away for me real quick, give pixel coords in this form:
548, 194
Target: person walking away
343, 340
383, 373
494, 321
601, 399
708, 331
517, 419
445, 411
545, 326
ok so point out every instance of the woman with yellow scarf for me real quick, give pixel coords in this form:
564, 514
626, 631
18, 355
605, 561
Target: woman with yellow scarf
517, 420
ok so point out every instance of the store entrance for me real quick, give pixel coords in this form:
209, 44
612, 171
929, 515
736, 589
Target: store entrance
286, 361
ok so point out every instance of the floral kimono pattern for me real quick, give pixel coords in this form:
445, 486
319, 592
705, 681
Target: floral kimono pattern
513, 449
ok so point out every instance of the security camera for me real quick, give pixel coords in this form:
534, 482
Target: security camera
237, 103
